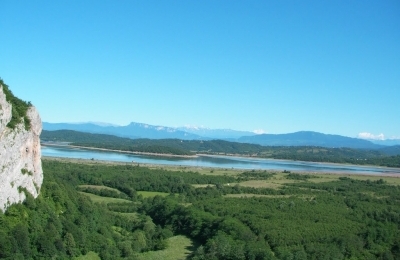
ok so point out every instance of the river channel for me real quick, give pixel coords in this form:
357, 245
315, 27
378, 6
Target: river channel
215, 161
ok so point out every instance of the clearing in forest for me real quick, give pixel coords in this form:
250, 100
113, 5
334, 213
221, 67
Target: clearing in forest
178, 247
150, 194
100, 199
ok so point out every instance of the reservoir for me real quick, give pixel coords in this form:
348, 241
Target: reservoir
215, 161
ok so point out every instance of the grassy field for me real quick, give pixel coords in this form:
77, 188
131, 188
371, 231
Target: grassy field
150, 194
260, 184
203, 185
389, 180
179, 247
99, 187
89, 256
280, 179
248, 195
131, 216
230, 171
95, 198
99, 199
201, 170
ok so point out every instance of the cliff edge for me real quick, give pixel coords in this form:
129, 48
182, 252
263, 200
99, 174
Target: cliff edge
20, 154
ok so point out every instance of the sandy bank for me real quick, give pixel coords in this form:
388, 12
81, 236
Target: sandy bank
174, 167
121, 151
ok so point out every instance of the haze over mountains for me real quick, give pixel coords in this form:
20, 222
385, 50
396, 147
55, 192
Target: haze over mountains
133, 130
140, 130
215, 133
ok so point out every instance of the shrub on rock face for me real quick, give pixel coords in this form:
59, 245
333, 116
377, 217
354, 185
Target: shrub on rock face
19, 108
21, 170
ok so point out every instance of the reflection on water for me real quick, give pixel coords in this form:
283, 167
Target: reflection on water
213, 161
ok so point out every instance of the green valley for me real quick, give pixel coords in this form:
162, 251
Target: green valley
123, 211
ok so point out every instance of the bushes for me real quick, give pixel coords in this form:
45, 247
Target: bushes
19, 108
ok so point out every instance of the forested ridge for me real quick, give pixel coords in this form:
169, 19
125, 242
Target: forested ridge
113, 142
190, 147
305, 217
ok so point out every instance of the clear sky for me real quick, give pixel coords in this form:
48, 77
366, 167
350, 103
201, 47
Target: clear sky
274, 66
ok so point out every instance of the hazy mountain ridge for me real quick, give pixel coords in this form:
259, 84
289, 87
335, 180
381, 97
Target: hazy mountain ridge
215, 133
140, 130
133, 130
386, 142
309, 138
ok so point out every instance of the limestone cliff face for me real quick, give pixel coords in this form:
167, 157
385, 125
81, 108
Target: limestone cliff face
20, 156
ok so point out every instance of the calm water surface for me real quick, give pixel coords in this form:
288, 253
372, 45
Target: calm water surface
214, 161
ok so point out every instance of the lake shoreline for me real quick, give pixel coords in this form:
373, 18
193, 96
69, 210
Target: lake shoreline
167, 166
288, 160
120, 151
67, 145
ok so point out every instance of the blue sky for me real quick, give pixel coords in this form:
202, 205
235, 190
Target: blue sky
272, 66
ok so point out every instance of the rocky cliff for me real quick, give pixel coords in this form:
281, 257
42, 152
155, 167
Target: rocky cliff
20, 163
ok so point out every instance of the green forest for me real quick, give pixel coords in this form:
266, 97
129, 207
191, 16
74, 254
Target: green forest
191, 147
122, 211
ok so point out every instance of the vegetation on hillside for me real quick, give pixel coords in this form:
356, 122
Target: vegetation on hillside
63, 223
19, 108
188, 147
305, 217
112, 142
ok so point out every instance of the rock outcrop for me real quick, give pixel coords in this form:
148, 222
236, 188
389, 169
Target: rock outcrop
20, 155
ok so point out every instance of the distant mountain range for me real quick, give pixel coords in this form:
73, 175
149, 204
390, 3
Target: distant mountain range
308, 138
139, 130
224, 134
302, 138
387, 142
133, 130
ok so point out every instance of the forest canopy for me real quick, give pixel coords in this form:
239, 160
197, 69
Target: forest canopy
229, 214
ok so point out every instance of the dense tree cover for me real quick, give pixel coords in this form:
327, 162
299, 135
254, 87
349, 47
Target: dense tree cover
391, 150
343, 219
61, 223
294, 176
188, 147
324, 221
388, 161
19, 108
335, 155
255, 175
128, 178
